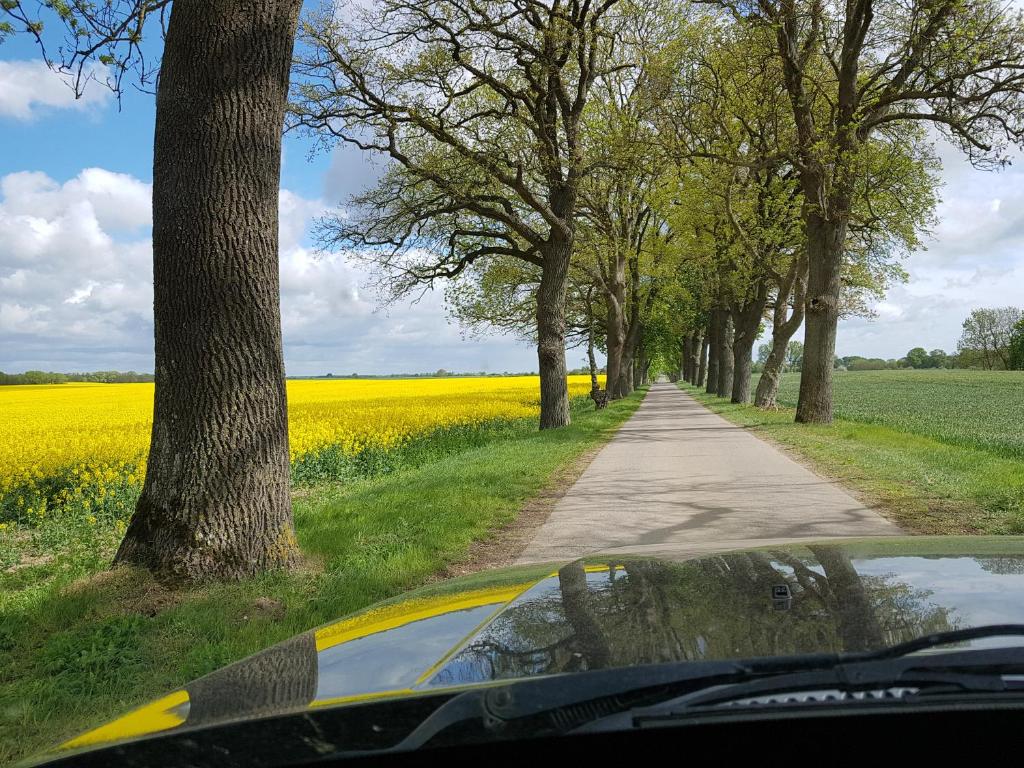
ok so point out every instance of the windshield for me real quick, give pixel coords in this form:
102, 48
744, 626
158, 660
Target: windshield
393, 350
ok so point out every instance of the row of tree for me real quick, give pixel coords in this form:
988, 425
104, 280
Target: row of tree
993, 339
657, 179
653, 178
98, 377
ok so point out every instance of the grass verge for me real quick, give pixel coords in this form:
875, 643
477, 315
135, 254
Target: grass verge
922, 484
79, 645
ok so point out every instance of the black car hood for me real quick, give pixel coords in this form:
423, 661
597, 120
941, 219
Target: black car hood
605, 612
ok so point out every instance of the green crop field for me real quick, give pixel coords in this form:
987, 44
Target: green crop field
982, 409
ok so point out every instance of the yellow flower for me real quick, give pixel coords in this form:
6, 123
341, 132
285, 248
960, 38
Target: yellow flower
89, 437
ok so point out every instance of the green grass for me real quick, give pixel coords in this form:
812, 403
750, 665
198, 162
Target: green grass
979, 409
79, 645
923, 484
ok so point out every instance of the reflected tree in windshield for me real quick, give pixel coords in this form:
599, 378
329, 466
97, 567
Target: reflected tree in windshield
638, 611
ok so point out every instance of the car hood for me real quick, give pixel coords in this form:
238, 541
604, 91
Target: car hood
604, 612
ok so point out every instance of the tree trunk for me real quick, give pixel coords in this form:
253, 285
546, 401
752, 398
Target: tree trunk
702, 366
627, 379
554, 389
615, 333
783, 329
725, 361
216, 500
748, 323
713, 353
768, 385
743, 362
592, 361
825, 241
685, 367
694, 361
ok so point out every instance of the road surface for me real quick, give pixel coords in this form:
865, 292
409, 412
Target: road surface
678, 480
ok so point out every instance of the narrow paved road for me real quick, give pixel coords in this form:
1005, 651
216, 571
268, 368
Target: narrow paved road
679, 480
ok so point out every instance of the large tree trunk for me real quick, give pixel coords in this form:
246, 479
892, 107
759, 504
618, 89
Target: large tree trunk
615, 333
748, 322
627, 377
825, 242
702, 365
725, 361
783, 328
768, 385
743, 363
713, 353
554, 389
216, 500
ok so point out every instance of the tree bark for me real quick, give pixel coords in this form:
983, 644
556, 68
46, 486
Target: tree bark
627, 379
592, 361
748, 322
554, 389
713, 353
783, 328
685, 366
698, 341
825, 241
615, 333
743, 362
216, 499
702, 365
725, 361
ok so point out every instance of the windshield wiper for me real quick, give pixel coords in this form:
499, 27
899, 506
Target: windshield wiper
939, 639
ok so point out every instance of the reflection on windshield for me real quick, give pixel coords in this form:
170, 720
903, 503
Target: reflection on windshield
646, 612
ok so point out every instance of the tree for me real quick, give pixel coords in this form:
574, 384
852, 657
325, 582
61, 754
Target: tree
988, 335
794, 355
216, 500
865, 70
1017, 347
731, 108
937, 358
917, 358
479, 107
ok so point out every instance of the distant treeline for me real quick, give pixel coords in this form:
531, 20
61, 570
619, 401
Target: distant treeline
96, 377
440, 373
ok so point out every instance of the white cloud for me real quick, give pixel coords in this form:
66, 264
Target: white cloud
28, 88
974, 259
76, 292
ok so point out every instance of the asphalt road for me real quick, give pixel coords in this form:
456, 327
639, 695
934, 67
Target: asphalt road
678, 480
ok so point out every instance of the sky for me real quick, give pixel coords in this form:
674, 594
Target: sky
75, 257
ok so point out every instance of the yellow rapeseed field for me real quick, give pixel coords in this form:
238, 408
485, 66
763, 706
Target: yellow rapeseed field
83, 445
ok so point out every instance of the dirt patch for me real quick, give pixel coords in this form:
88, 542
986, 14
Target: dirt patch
29, 561
128, 590
503, 548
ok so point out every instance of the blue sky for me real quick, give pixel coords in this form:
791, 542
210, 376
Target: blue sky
75, 267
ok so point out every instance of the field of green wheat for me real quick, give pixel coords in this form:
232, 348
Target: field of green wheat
981, 409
